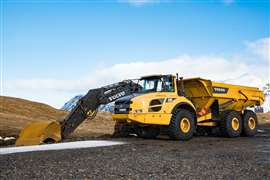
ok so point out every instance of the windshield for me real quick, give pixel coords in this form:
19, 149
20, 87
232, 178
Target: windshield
161, 84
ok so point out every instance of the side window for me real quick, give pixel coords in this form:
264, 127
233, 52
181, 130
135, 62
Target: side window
168, 85
159, 86
149, 85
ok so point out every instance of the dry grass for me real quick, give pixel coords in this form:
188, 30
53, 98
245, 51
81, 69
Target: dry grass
101, 125
16, 113
264, 118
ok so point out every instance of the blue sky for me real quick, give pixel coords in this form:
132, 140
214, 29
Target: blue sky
48, 42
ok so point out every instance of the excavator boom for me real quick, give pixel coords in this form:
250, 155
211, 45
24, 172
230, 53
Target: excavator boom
87, 105
45, 131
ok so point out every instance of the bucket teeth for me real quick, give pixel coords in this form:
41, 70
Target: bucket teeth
39, 132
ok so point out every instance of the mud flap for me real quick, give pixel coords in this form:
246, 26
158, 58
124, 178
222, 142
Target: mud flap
39, 132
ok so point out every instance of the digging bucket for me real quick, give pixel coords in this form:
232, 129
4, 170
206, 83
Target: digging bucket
39, 132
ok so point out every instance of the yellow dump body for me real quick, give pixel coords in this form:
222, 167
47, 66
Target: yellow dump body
203, 93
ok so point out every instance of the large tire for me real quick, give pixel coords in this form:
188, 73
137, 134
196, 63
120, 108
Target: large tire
231, 123
148, 132
249, 123
182, 125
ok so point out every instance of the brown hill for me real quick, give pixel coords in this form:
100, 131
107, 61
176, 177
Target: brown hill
264, 118
16, 113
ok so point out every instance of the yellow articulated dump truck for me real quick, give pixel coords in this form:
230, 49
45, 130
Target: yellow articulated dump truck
158, 104
183, 106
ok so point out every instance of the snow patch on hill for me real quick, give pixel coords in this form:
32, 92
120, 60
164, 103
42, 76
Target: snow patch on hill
68, 106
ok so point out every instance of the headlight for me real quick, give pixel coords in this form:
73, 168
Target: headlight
138, 110
168, 100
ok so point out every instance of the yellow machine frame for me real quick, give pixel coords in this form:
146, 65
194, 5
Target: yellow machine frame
200, 94
196, 97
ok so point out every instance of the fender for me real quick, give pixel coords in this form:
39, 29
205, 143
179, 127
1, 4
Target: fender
187, 106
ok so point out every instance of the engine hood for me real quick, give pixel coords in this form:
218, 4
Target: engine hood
127, 99
122, 105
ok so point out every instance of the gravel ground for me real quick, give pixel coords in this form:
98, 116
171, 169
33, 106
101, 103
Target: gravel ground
199, 158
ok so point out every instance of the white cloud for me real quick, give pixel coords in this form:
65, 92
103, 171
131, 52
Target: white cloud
57, 91
261, 48
139, 2
237, 70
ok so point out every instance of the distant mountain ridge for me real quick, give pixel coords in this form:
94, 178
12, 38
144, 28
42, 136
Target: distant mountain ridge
68, 106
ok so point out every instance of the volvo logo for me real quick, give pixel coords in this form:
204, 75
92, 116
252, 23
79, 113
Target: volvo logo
116, 96
220, 90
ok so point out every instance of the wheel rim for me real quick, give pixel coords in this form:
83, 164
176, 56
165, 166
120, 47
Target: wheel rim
235, 124
185, 125
251, 123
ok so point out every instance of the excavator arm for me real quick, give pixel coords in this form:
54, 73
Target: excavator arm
86, 108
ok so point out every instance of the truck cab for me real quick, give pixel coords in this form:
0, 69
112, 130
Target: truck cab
152, 105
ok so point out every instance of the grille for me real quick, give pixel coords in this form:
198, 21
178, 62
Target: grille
122, 107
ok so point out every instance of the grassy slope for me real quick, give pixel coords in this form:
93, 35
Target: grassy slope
264, 118
16, 113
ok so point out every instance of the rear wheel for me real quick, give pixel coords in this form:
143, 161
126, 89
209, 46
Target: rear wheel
231, 123
249, 123
182, 125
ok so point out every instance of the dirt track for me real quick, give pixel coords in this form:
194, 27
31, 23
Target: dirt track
200, 158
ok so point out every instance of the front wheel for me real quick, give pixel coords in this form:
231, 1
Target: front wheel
182, 125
